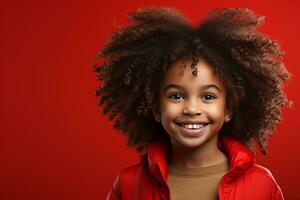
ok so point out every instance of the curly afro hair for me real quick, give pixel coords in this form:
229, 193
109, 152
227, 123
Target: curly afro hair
247, 62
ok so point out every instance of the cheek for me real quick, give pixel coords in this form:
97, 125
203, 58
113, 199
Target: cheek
170, 111
217, 112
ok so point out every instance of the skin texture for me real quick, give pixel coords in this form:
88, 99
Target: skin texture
189, 101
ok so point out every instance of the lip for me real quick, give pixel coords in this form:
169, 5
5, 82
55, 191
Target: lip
192, 133
192, 122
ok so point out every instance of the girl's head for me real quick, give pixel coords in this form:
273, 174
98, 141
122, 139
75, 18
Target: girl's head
192, 107
224, 50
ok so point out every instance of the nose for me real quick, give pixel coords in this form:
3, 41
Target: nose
192, 107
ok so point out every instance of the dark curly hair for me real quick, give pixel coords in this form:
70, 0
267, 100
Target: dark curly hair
247, 62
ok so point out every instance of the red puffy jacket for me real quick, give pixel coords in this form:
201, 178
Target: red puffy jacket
243, 181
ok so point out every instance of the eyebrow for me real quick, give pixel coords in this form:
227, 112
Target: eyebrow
204, 87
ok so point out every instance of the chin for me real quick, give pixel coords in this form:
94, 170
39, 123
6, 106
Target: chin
189, 143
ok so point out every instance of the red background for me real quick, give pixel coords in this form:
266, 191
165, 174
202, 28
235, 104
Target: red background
54, 142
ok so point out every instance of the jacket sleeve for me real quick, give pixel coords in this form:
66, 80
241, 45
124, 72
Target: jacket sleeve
266, 177
277, 193
125, 183
114, 192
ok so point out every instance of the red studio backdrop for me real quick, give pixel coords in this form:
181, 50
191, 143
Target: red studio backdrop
54, 141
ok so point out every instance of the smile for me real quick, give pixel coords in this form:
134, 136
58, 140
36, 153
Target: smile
192, 130
193, 126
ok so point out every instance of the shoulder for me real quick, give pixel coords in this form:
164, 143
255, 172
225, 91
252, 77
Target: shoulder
123, 185
259, 178
126, 176
261, 174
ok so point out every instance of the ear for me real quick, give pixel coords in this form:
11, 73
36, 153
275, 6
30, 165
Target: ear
156, 112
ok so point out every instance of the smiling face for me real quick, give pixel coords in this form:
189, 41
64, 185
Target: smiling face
192, 109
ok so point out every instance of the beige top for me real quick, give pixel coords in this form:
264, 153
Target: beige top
195, 183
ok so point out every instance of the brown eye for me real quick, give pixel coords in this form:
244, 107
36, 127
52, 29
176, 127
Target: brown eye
176, 96
209, 97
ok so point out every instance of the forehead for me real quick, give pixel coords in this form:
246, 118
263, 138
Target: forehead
180, 72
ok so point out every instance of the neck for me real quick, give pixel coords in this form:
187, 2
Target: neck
205, 155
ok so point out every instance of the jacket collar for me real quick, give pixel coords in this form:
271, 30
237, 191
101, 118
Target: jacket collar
239, 156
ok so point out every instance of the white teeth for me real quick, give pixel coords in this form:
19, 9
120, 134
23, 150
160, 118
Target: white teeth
193, 126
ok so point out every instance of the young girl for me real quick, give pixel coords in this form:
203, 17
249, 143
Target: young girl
193, 100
